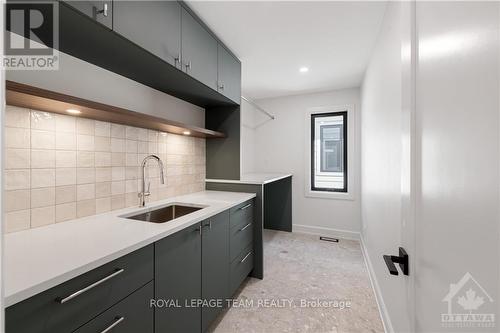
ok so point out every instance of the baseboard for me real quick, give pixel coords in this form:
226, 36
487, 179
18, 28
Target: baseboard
384, 314
329, 232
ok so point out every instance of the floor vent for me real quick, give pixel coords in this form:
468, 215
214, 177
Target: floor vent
329, 239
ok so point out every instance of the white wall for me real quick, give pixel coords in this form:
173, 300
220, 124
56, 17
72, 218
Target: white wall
76, 77
247, 137
381, 165
280, 146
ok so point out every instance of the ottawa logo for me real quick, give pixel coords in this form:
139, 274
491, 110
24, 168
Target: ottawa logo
468, 305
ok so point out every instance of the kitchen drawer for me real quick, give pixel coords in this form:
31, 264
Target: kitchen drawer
240, 237
131, 315
242, 212
240, 268
93, 292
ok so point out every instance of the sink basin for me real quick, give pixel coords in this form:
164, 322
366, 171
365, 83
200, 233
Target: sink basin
164, 214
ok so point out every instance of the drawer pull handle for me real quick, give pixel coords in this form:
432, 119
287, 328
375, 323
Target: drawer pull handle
249, 224
209, 225
93, 285
116, 322
243, 260
246, 206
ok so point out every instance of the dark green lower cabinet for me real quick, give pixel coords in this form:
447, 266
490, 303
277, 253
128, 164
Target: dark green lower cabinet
194, 276
56, 310
215, 267
178, 281
131, 315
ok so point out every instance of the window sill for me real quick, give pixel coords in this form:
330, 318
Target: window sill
330, 195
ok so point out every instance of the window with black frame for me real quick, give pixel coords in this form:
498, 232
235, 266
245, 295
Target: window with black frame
329, 152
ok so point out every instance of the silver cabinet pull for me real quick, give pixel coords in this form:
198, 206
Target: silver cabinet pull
248, 254
188, 65
93, 285
209, 225
116, 322
246, 206
103, 11
249, 224
221, 86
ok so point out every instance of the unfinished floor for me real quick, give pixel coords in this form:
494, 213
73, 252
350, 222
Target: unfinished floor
300, 267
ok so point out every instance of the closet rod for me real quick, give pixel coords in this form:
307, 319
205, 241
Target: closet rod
258, 107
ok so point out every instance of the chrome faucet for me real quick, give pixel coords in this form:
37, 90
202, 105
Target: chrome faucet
144, 193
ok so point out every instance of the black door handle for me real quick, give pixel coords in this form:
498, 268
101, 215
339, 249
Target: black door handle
402, 260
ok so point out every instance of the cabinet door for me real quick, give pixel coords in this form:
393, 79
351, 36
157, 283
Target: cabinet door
131, 315
178, 281
229, 75
98, 10
199, 51
215, 265
153, 25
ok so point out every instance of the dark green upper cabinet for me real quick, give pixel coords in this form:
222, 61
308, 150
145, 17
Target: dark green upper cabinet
199, 51
229, 74
153, 25
215, 265
100, 11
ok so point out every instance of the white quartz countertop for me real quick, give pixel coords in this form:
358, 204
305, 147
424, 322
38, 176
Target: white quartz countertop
253, 178
38, 259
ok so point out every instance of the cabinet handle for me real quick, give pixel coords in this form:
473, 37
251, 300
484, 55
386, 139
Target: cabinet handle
245, 258
116, 322
209, 225
198, 229
103, 11
188, 65
245, 207
93, 285
221, 86
177, 59
249, 224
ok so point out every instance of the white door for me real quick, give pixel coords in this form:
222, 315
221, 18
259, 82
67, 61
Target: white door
457, 130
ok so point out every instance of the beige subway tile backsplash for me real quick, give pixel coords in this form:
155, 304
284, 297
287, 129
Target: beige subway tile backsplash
65, 123
42, 197
43, 216
17, 158
17, 117
17, 220
61, 167
17, 200
65, 194
65, 212
17, 137
65, 141
42, 159
17, 179
43, 139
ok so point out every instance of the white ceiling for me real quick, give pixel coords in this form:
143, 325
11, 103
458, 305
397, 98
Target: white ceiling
274, 39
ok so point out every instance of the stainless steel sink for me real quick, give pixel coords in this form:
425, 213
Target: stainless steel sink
164, 214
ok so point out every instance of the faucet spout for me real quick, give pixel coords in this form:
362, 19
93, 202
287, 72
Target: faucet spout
145, 192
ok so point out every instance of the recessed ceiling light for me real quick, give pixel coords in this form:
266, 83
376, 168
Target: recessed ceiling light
304, 69
73, 111
186, 132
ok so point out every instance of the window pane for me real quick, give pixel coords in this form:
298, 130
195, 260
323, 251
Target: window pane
329, 153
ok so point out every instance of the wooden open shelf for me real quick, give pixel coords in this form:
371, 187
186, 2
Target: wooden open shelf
31, 97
